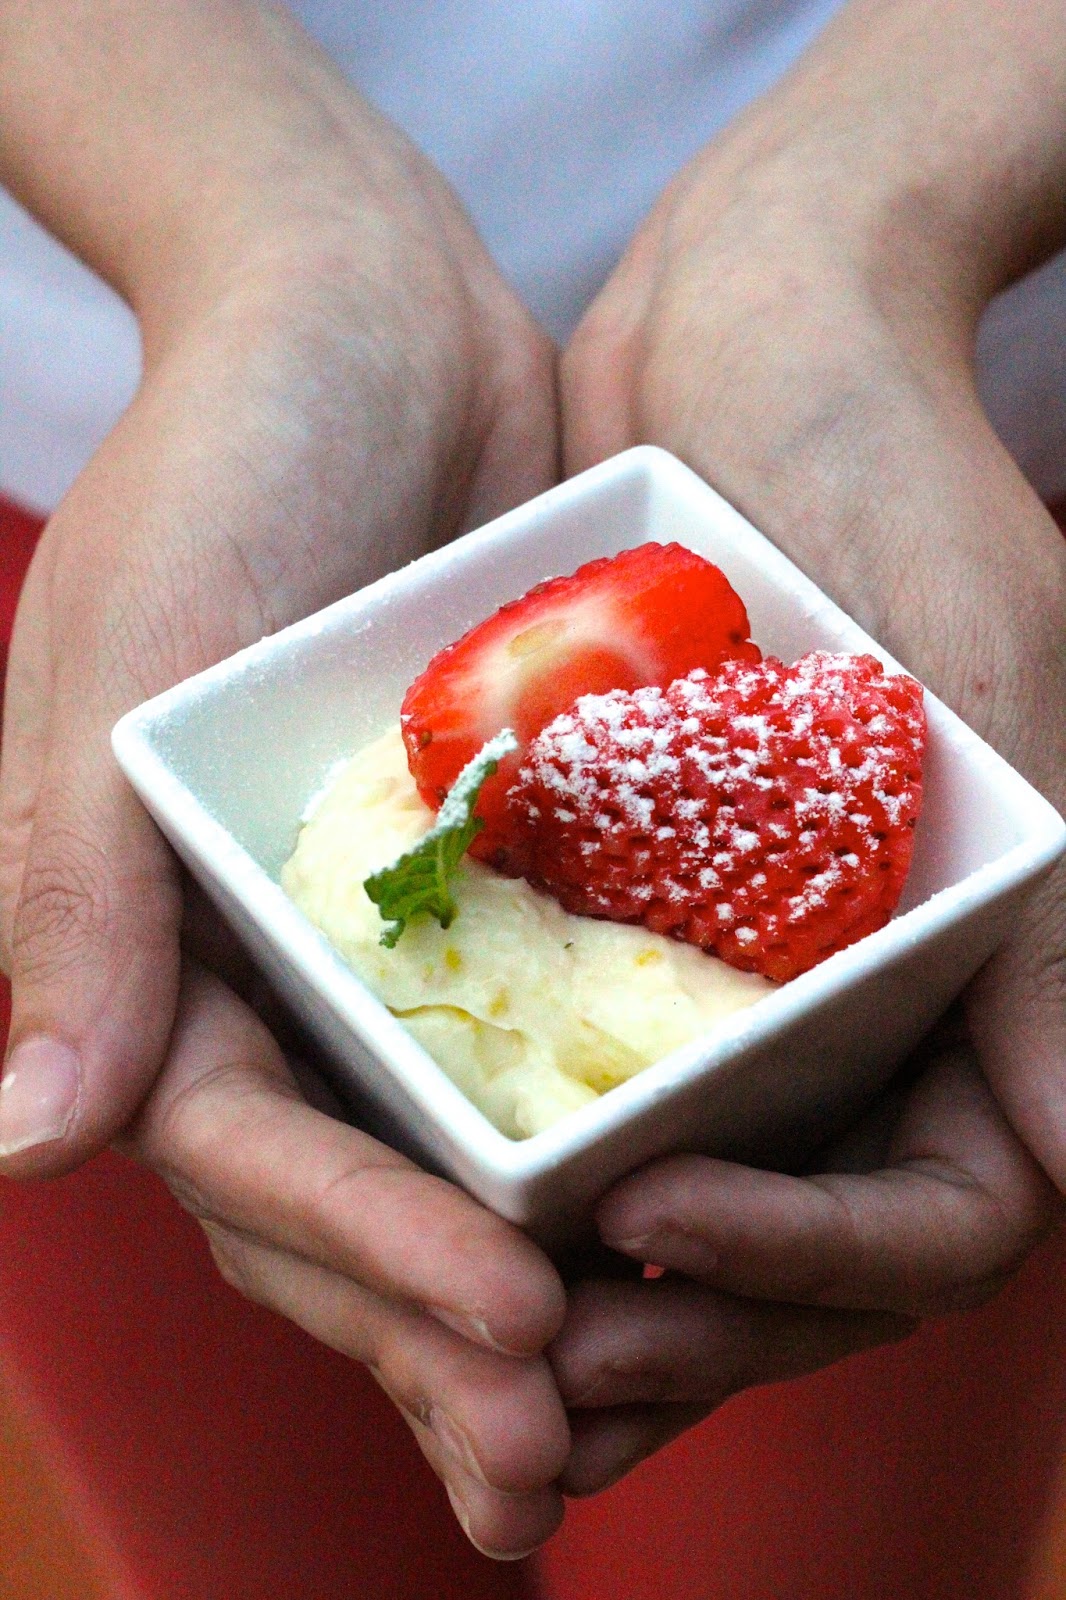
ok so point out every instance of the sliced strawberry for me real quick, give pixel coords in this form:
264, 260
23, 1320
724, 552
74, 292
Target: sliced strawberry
766, 813
647, 616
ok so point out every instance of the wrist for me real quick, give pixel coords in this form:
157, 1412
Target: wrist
925, 148
212, 140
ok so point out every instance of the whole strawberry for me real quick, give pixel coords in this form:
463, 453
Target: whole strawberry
764, 812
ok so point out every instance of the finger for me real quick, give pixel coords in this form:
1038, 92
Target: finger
640, 1363
88, 892
94, 967
941, 1227
496, 1418
1017, 1015
492, 1427
504, 1527
91, 896
228, 1132
609, 1443
674, 1342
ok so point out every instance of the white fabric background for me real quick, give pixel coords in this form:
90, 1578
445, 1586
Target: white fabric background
558, 121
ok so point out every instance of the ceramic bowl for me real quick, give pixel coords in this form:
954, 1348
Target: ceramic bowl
227, 761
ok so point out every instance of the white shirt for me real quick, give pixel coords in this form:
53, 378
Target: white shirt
558, 122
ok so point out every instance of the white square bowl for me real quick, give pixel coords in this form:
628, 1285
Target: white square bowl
227, 761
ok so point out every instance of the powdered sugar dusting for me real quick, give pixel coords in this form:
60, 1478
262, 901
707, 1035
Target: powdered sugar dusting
456, 808
774, 803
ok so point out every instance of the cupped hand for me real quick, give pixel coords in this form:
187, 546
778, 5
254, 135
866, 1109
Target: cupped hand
449, 1306
336, 378
926, 1207
802, 337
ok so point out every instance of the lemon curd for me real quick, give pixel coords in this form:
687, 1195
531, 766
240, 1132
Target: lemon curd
530, 1011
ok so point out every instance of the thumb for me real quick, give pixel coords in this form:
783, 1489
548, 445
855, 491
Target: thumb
132, 588
94, 964
1017, 1015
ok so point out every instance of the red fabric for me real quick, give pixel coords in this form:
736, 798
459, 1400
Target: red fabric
209, 1450
18, 536
922, 1471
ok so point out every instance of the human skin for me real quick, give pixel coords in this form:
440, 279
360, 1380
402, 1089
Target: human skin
328, 349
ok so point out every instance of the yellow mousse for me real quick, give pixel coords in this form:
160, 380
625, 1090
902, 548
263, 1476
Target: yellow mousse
531, 1011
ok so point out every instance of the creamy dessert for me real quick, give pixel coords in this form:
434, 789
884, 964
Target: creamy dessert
531, 1010
605, 823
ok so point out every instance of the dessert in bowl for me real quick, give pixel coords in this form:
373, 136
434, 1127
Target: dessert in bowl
530, 1010
229, 762
762, 817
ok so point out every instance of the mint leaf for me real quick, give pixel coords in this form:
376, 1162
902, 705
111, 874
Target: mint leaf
419, 883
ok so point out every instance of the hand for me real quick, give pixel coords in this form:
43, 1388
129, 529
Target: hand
335, 378
448, 1305
925, 1208
795, 320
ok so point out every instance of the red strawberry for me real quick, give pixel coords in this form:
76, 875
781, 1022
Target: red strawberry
646, 616
766, 813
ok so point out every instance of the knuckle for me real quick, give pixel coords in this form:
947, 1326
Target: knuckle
407, 1394
358, 1190
189, 1197
1000, 1237
836, 1252
15, 833
188, 1132
177, 1127
1017, 1223
64, 906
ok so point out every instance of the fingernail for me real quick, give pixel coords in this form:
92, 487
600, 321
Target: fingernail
623, 1226
455, 1441
471, 1327
38, 1094
463, 1516
630, 1242
461, 1513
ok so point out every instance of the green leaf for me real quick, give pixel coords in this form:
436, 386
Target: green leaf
419, 883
